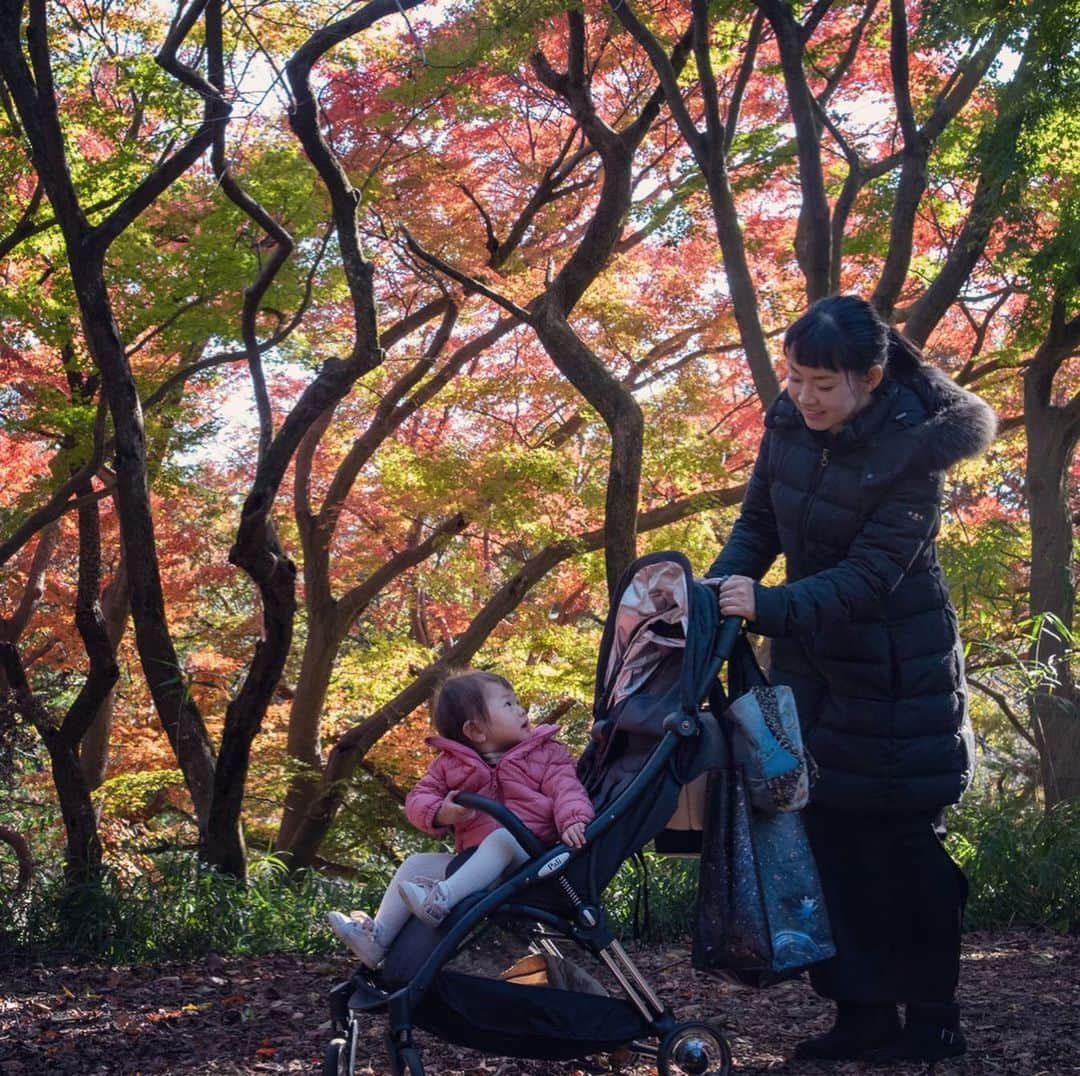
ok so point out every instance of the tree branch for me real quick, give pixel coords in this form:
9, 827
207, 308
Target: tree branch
470, 284
1020, 726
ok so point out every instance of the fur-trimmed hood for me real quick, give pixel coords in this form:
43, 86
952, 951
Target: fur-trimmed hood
927, 421
957, 423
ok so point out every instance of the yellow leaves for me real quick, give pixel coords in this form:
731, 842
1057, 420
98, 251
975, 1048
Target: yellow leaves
137, 794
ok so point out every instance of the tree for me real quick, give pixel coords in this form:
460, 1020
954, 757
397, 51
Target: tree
83, 858
505, 292
216, 784
330, 619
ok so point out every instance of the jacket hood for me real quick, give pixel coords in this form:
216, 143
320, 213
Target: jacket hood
958, 424
937, 422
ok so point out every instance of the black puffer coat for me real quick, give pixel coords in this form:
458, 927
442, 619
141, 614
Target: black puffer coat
864, 631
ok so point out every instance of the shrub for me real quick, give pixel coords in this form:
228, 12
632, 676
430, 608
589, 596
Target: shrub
184, 910
653, 898
1023, 863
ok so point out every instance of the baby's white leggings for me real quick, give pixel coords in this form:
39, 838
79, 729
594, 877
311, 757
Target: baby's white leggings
497, 851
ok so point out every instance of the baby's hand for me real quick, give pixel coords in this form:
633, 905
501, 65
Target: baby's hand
451, 813
574, 835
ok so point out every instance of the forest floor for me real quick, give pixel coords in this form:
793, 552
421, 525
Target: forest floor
1020, 991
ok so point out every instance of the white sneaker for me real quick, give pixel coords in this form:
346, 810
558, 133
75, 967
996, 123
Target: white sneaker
359, 934
428, 903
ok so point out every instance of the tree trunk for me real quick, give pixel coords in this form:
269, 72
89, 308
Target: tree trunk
709, 148
305, 722
581, 367
94, 749
23, 858
180, 718
626, 427
909, 192
82, 861
813, 234
744, 300
86, 247
1055, 709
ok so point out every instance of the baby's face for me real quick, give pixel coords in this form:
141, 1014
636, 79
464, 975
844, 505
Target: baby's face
507, 723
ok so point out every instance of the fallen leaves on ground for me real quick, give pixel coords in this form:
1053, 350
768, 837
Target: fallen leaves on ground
1020, 992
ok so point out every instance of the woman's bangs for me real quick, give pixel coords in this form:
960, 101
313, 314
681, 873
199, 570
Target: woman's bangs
814, 349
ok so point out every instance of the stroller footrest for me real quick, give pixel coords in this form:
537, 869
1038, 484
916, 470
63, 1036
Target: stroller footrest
364, 995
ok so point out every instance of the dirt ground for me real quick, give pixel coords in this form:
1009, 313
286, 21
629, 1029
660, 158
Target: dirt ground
1020, 991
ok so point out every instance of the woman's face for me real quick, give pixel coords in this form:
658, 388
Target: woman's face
826, 399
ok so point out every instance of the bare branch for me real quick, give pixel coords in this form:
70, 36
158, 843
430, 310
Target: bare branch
12, 628
470, 284
1003, 704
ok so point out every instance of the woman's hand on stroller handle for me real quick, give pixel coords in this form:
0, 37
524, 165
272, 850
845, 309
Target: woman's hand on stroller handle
735, 596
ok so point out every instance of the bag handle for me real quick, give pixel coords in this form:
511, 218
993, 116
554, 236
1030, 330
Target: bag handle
744, 672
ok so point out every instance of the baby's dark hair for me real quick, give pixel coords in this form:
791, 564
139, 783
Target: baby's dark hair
461, 699
846, 334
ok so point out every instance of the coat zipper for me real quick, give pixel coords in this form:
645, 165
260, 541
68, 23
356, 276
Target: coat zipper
811, 496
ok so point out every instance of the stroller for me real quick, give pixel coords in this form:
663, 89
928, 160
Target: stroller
662, 649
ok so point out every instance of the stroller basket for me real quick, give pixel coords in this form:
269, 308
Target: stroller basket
663, 646
556, 1025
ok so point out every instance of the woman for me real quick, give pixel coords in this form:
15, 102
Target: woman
847, 485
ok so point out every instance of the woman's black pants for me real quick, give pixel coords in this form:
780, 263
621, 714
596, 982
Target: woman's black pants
896, 904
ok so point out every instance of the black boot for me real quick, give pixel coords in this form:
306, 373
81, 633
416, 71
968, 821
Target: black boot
931, 1033
858, 1030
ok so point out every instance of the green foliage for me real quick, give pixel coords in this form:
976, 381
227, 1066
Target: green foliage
500, 33
370, 833
653, 900
982, 566
133, 792
183, 910
16, 741
1022, 863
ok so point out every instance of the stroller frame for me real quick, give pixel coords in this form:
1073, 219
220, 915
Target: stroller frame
688, 1047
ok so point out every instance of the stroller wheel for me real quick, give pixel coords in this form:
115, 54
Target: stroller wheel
340, 1059
336, 1059
694, 1049
404, 1060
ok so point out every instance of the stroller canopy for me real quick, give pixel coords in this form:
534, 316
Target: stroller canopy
661, 650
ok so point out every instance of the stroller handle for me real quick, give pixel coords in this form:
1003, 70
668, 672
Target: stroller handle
726, 636
506, 818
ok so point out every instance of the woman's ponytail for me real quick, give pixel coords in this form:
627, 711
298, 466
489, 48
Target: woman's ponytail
903, 359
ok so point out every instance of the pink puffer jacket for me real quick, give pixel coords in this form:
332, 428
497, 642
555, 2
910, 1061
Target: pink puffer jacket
536, 779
